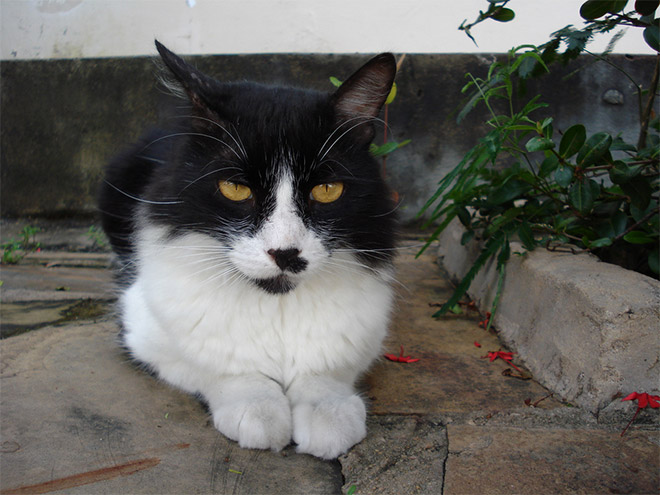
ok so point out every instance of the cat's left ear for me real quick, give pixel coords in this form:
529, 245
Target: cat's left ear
360, 98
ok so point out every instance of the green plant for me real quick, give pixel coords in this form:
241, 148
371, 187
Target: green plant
14, 251
28, 236
11, 252
98, 238
527, 181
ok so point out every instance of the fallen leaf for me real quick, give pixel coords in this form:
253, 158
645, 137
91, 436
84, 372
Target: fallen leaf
521, 375
400, 358
505, 356
643, 400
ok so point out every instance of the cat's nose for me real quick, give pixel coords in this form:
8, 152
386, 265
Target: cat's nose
288, 259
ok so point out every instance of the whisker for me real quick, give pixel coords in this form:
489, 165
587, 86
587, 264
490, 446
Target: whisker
200, 134
141, 200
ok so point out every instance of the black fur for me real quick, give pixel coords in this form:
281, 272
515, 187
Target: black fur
248, 133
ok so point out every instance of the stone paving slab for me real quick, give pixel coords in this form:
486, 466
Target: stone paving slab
41, 283
505, 460
59, 259
77, 415
36, 295
451, 376
400, 455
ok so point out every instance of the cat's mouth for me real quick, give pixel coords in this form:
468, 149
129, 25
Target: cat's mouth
276, 285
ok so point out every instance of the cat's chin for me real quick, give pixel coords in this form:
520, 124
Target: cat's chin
276, 285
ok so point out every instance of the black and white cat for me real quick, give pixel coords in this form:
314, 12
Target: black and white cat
259, 240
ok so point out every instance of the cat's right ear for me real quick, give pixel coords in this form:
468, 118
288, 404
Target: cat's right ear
360, 98
196, 85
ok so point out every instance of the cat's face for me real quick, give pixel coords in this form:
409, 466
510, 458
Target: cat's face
281, 178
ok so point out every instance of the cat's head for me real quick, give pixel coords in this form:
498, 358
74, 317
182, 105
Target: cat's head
282, 178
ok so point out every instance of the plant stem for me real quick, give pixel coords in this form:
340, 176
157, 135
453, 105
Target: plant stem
646, 114
630, 422
635, 225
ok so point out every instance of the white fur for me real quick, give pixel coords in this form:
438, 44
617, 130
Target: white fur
272, 367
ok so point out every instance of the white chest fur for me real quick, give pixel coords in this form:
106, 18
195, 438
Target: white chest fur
193, 318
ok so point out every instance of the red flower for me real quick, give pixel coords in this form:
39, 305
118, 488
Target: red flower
477, 344
643, 400
505, 356
400, 358
485, 322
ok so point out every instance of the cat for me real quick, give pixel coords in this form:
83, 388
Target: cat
256, 243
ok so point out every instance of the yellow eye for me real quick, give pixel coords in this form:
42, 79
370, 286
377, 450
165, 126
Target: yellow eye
233, 191
327, 193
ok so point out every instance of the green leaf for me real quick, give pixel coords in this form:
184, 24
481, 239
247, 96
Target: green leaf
548, 166
652, 36
464, 215
599, 243
526, 236
456, 309
504, 15
545, 127
593, 9
383, 149
467, 236
594, 149
335, 82
612, 226
526, 67
392, 95
492, 245
619, 144
617, 6
580, 196
621, 172
646, 7
639, 213
564, 176
504, 254
539, 143
639, 190
638, 237
508, 191
572, 140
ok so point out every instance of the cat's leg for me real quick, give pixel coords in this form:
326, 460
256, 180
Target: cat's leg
329, 417
252, 410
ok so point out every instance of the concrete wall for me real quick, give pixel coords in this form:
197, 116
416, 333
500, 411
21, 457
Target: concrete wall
63, 119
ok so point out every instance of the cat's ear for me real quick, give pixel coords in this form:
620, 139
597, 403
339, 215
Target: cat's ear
196, 85
360, 98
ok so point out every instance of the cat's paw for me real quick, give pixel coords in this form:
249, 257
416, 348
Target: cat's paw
330, 427
258, 424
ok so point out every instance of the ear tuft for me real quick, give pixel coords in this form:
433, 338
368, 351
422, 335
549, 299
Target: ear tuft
189, 82
365, 92
195, 84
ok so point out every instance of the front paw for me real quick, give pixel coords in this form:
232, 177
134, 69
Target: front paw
258, 424
330, 427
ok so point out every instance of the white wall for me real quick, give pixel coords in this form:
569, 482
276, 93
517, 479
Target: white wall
100, 28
